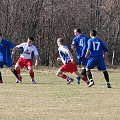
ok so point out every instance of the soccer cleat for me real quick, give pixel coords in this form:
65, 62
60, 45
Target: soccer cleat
1, 81
78, 80
108, 85
33, 82
91, 83
70, 80
18, 81
91, 80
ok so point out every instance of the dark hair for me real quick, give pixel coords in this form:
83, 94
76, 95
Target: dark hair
78, 30
31, 38
93, 32
0, 34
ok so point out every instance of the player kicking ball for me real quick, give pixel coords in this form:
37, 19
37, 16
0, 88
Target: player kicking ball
25, 59
68, 64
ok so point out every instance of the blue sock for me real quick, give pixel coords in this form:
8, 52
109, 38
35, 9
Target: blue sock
78, 80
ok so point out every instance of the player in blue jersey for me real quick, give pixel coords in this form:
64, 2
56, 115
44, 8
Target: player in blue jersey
95, 53
79, 46
5, 56
68, 63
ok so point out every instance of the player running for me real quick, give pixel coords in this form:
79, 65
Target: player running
68, 64
79, 47
5, 56
25, 59
95, 54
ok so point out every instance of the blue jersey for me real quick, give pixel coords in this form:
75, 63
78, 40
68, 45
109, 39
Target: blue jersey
96, 47
63, 55
5, 47
80, 43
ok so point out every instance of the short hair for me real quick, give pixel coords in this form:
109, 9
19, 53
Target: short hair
31, 38
61, 40
0, 34
78, 30
93, 32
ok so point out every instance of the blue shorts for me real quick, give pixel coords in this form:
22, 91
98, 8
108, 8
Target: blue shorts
82, 61
96, 61
8, 64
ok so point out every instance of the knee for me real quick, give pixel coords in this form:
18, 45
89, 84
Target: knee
58, 74
30, 70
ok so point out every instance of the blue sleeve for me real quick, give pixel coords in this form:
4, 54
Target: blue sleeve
104, 47
11, 45
74, 42
84, 47
89, 45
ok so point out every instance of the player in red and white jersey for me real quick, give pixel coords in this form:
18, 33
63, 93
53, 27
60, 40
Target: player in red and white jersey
25, 59
68, 63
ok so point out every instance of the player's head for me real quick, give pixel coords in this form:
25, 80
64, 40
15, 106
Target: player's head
77, 31
0, 36
30, 40
60, 41
93, 33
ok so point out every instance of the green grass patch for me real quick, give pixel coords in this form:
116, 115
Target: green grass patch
52, 99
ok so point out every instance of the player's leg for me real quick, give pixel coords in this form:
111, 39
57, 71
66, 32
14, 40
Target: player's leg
13, 70
31, 73
106, 76
102, 66
83, 65
60, 73
1, 66
82, 77
91, 63
19, 65
28, 64
89, 74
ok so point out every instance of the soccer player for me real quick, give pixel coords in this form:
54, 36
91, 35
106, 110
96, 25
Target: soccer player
5, 56
95, 54
25, 59
68, 64
79, 46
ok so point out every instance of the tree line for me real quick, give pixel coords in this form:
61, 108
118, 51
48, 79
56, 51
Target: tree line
47, 20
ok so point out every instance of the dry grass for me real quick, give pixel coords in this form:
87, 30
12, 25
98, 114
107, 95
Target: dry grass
52, 99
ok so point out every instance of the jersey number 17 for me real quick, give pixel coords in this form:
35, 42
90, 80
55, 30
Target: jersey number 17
96, 45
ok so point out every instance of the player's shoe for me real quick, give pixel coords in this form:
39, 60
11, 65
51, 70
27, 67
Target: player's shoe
70, 80
91, 80
1, 81
91, 83
108, 85
18, 81
78, 80
33, 82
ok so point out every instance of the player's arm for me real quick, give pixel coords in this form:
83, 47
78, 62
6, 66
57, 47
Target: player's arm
69, 54
58, 59
73, 46
36, 56
87, 54
73, 49
84, 47
88, 49
36, 60
13, 50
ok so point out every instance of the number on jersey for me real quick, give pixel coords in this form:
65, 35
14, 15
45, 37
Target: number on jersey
96, 45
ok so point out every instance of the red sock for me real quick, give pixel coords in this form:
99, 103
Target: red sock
19, 76
18, 71
31, 75
64, 76
85, 79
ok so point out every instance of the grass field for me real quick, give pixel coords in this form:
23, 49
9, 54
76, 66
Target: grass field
52, 99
